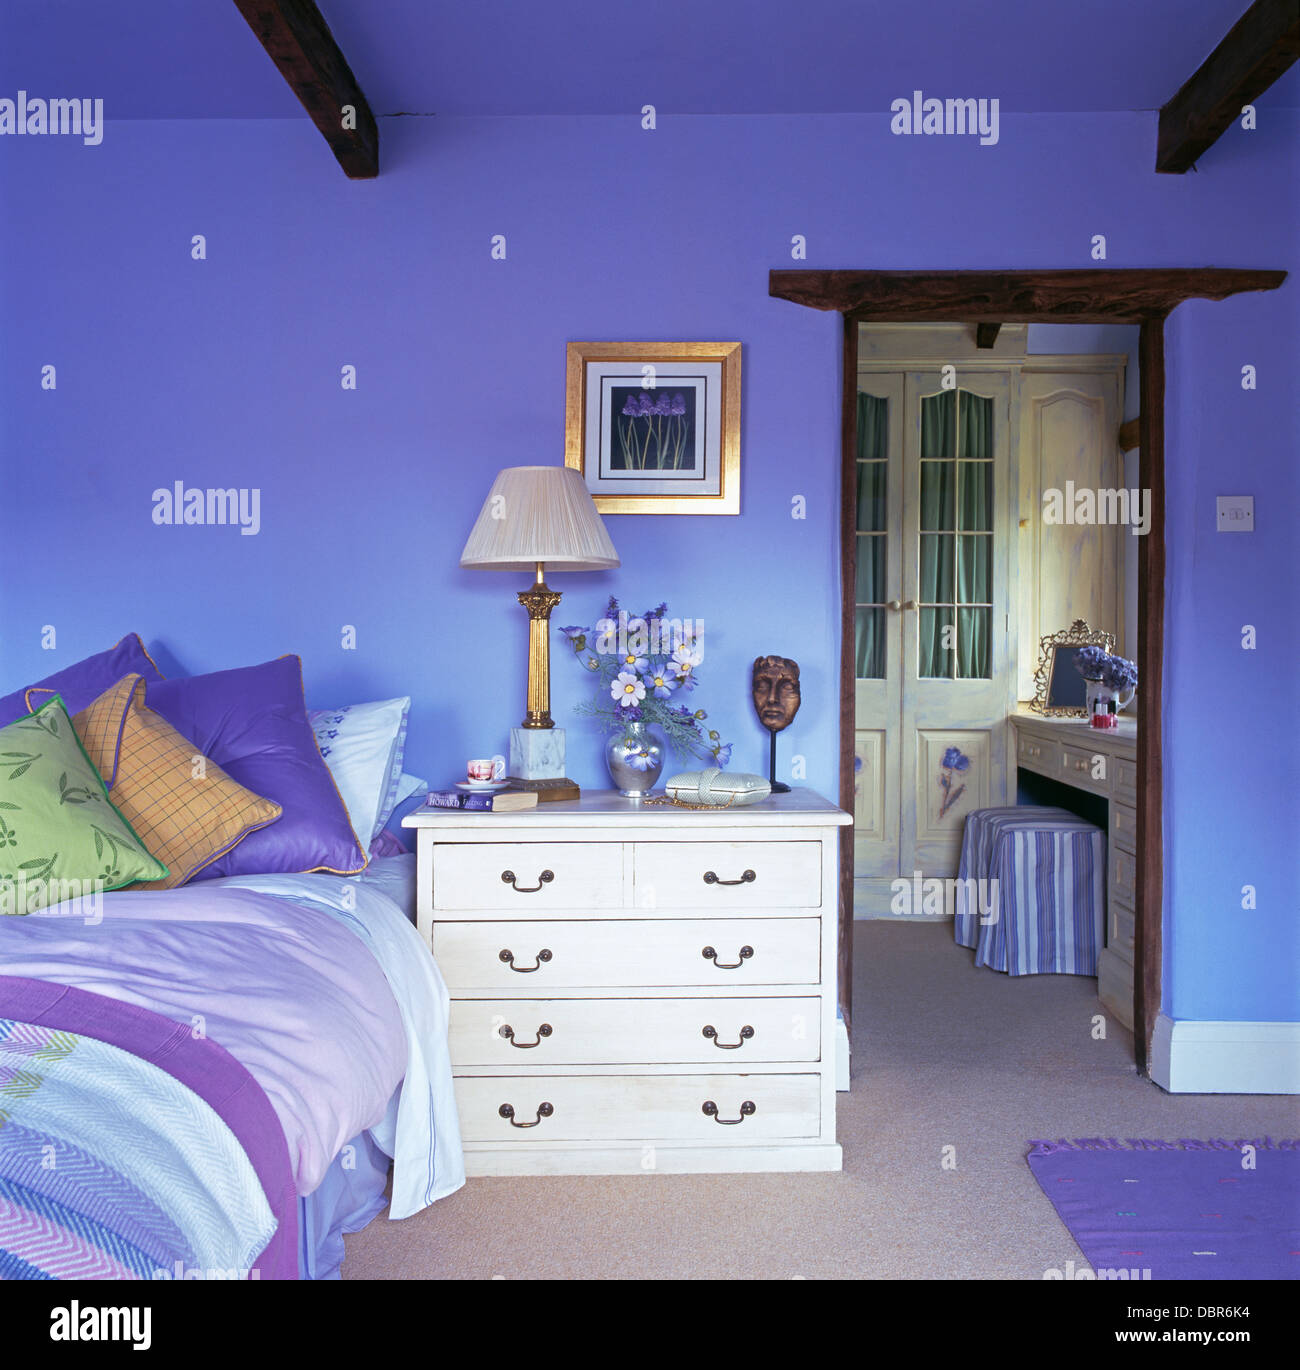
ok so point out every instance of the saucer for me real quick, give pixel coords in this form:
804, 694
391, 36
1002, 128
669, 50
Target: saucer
481, 786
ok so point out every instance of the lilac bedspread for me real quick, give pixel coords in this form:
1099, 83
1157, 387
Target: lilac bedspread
83, 1216
285, 988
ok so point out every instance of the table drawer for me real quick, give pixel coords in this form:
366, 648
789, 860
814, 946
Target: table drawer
638, 1108
727, 875
1038, 754
540, 1032
1121, 930
626, 953
527, 878
1126, 778
1123, 876
1080, 767
1123, 826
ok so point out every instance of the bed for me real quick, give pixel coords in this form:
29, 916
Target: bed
320, 988
207, 1070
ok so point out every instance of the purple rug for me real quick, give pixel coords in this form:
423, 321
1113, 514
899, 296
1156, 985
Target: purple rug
1185, 1210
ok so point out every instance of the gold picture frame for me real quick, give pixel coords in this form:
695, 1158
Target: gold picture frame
1078, 634
689, 448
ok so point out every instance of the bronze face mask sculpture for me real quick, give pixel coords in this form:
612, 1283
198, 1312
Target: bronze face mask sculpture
775, 687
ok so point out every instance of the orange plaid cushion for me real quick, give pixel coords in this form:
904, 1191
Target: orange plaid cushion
185, 809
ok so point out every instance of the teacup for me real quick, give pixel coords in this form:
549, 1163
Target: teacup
486, 769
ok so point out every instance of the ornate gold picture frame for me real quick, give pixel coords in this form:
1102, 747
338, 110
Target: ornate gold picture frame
1056, 679
654, 427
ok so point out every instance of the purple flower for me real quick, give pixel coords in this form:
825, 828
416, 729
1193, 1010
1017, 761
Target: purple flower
678, 405
1119, 674
630, 408
663, 406
722, 754
646, 405
660, 681
640, 761
1090, 662
953, 760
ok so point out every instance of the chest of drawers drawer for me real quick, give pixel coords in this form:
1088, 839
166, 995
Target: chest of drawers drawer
535, 958
1038, 754
1123, 825
1084, 769
527, 879
702, 1109
729, 1032
727, 876
1123, 875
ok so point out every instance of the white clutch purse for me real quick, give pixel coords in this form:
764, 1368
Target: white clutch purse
713, 786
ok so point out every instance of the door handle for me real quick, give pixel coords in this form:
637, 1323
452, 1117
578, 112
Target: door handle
896, 605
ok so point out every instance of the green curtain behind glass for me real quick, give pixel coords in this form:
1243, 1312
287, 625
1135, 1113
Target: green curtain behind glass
873, 418
956, 500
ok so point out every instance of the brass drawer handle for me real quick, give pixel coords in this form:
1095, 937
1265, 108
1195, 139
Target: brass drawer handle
710, 955
746, 878
509, 1034
509, 958
509, 878
746, 1110
745, 1034
508, 1113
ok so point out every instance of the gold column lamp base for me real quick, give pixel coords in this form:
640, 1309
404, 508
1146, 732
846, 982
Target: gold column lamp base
540, 600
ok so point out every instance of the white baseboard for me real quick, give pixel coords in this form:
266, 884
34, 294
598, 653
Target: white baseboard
841, 1056
1195, 1057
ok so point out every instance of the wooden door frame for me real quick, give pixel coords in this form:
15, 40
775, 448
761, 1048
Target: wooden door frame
1139, 296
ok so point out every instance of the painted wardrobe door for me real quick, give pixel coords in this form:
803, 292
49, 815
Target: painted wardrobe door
1068, 570
958, 657
878, 627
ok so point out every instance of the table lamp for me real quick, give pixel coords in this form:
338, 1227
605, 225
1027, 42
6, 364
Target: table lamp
535, 518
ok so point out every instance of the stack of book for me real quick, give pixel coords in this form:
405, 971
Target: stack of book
503, 801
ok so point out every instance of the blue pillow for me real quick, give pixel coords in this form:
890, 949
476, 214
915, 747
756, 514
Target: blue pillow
252, 722
82, 683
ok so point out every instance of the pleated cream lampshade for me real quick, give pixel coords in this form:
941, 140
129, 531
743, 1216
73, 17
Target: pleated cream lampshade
539, 513
538, 518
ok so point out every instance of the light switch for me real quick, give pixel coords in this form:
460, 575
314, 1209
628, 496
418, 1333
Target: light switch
1236, 513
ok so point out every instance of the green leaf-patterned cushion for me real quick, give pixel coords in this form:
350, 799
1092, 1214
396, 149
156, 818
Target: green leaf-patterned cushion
60, 835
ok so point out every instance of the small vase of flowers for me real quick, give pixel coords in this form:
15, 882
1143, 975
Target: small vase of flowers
646, 666
1107, 678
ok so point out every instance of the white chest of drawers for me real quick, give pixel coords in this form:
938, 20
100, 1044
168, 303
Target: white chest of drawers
638, 988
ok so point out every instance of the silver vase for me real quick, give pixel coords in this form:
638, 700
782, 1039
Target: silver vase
635, 758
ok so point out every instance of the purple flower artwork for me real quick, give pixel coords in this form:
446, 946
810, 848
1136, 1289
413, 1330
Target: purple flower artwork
654, 430
954, 763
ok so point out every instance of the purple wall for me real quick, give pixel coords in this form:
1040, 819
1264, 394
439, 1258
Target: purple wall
226, 373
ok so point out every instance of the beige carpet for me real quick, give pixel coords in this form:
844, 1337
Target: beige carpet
944, 1055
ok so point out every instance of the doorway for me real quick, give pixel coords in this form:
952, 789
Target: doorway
989, 299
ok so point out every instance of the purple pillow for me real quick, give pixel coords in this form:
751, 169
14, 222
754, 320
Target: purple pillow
252, 722
83, 682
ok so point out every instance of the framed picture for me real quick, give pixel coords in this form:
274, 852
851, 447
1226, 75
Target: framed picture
655, 427
1059, 689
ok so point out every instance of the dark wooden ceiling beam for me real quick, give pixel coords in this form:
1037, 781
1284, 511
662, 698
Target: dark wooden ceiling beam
1258, 48
299, 42
1086, 296
986, 334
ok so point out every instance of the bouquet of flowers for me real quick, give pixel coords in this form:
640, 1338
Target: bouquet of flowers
1120, 674
1116, 673
644, 666
1090, 662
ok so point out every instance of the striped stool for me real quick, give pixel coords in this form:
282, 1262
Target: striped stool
1047, 915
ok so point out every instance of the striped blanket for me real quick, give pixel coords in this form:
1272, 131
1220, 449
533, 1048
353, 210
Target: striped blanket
132, 1147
